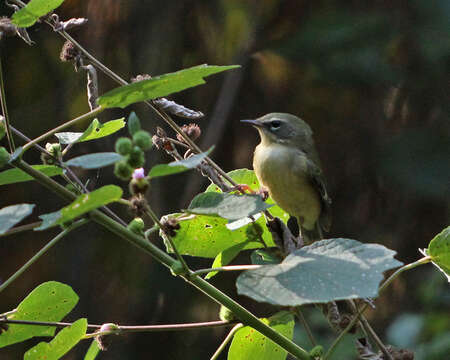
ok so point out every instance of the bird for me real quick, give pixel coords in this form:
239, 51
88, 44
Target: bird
287, 164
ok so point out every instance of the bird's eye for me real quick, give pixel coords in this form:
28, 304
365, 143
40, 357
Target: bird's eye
275, 124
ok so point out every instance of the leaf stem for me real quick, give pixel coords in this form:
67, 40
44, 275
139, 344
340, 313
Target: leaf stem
5, 110
226, 341
302, 319
22, 228
226, 268
89, 115
41, 252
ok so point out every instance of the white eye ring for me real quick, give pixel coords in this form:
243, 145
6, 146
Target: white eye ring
275, 124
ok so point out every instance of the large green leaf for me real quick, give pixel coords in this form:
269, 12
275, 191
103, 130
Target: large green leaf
249, 344
159, 86
13, 176
50, 301
81, 205
333, 269
65, 340
225, 257
176, 167
11, 215
207, 236
96, 130
248, 177
31, 13
439, 250
229, 206
94, 161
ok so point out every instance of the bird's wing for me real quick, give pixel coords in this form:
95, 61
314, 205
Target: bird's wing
318, 181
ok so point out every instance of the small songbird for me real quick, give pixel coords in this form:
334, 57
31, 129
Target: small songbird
287, 164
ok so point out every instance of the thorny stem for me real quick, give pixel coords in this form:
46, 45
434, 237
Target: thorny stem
385, 284
226, 341
5, 110
41, 252
87, 116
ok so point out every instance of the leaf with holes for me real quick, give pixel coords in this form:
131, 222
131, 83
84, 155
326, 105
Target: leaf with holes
159, 86
96, 130
13, 176
94, 161
65, 340
50, 302
328, 270
81, 205
249, 344
31, 13
11, 215
439, 250
207, 236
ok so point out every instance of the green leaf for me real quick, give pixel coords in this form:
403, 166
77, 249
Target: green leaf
328, 270
134, 124
65, 340
95, 161
81, 205
439, 250
176, 167
96, 130
11, 215
228, 206
225, 257
159, 86
207, 236
13, 176
28, 15
50, 301
248, 177
92, 351
249, 344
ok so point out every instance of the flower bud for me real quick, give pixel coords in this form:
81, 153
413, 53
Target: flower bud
123, 170
142, 139
137, 226
136, 157
226, 314
123, 146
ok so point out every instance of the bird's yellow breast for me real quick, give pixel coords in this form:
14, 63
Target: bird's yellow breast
284, 172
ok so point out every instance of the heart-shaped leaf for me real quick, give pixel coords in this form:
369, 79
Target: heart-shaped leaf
439, 250
96, 130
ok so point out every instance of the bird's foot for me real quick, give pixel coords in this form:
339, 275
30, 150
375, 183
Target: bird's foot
282, 236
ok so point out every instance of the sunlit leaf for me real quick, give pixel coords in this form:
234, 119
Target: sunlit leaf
249, 344
333, 269
176, 167
13, 176
81, 205
159, 86
11, 215
439, 250
94, 161
225, 257
65, 340
50, 302
96, 130
93, 351
28, 15
207, 236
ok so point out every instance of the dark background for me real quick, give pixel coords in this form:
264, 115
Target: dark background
370, 77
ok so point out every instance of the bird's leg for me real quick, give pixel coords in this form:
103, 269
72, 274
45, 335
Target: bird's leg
282, 236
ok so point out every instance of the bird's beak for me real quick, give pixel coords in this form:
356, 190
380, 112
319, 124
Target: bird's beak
255, 123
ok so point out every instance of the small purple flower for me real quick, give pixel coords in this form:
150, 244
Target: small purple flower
138, 174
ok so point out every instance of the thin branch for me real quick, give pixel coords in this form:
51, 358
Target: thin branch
226, 341
41, 252
227, 268
5, 110
91, 114
22, 228
302, 319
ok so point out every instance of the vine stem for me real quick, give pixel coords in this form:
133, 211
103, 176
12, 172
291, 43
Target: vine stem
91, 114
41, 252
127, 328
386, 283
226, 341
22, 228
165, 259
5, 110
226, 268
